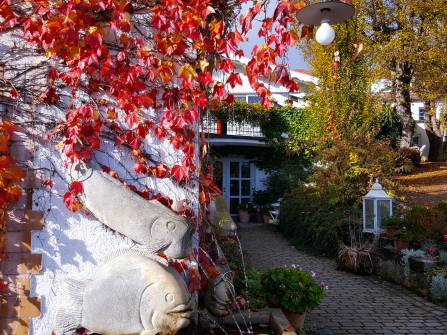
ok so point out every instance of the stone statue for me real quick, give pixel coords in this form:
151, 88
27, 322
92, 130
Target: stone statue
146, 222
221, 222
131, 294
220, 293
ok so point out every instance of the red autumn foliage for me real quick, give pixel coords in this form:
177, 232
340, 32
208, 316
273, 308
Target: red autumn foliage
126, 62
10, 176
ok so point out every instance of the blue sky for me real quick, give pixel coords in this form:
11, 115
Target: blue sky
295, 58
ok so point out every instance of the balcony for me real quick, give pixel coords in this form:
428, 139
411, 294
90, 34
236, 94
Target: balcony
232, 133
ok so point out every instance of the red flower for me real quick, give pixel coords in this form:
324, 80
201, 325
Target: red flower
433, 250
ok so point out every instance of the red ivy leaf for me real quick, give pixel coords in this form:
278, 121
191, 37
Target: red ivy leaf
179, 172
48, 183
140, 168
76, 187
14, 93
71, 202
234, 79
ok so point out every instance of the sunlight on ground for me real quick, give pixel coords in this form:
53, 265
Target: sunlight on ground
427, 185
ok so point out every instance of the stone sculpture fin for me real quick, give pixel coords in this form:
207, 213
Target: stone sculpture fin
149, 332
69, 314
131, 252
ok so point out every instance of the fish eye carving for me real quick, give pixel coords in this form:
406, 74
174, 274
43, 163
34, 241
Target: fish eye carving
170, 225
169, 297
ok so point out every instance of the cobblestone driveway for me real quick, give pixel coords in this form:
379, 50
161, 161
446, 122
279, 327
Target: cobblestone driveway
353, 304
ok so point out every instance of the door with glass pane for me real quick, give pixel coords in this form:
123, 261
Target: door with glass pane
235, 177
240, 184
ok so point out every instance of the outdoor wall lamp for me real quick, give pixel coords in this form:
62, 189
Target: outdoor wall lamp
324, 14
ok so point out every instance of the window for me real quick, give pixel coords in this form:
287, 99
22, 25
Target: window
242, 98
421, 113
253, 99
369, 216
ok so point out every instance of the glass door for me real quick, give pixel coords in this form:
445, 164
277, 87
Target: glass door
240, 182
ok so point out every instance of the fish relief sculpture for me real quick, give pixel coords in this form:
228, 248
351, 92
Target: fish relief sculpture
130, 294
221, 222
220, 294
149, 223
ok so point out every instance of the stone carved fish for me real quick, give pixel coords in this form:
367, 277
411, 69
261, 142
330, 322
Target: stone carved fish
131, 294
221, 222
146, 222
220, 294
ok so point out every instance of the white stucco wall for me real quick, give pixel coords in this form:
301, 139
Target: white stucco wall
415, 106
73, 244
424, 142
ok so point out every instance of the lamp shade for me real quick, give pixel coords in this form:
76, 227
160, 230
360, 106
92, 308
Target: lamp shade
330, 11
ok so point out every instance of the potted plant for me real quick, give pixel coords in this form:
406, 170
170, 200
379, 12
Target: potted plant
265, 211
244, 215
401, 239
296, 292
392, 224
357, 258
263, 200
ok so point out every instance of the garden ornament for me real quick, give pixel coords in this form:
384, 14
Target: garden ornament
147, 222
220, 294
221, 222
131, 294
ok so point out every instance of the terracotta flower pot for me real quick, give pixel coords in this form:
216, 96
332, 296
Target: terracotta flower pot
399, 245
389, 232
266, 218
244, 217
295, 319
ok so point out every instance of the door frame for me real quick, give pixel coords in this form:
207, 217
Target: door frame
226, 178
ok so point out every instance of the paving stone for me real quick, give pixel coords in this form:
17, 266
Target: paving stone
353, 304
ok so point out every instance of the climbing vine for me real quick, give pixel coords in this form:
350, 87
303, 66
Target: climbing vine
10, 176
128, 70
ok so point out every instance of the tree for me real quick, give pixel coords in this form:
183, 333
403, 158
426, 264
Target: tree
402, 33
342, 102
430, 83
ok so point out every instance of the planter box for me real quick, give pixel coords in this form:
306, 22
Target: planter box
393, 270
421, 265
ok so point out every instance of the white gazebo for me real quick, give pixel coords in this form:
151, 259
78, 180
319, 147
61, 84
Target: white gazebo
377, 205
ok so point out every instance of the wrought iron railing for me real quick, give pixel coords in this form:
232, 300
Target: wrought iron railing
212, 125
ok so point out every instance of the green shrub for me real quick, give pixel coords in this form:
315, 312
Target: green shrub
349, 165
256, 292
293, 290
426, 223
393, 222
406, 158
309, 222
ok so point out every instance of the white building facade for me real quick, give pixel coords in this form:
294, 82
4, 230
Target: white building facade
421, 136
236, 174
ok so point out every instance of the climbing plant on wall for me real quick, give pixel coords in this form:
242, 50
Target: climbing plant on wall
10, 176
126, 70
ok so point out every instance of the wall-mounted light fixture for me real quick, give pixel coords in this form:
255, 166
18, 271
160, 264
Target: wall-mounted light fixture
324, 14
